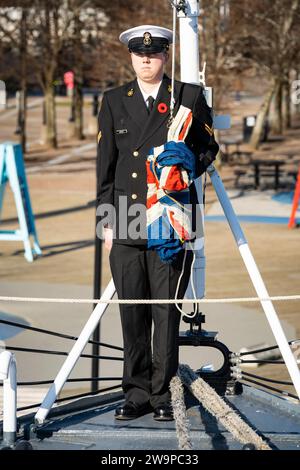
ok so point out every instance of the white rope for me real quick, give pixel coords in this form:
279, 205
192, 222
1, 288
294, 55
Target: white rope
190, 315
180, 415
4, 298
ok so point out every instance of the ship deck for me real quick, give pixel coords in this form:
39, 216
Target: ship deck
89, 424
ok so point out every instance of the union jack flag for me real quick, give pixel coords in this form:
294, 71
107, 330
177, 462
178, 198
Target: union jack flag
170, 171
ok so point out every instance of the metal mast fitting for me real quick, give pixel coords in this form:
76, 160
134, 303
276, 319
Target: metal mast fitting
188, 13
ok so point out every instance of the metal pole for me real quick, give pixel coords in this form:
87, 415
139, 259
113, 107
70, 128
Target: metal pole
8, 373
256, 278
97, 294
74, 355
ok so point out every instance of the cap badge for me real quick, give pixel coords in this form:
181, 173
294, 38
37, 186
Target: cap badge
169, 88
147, 39
130, 92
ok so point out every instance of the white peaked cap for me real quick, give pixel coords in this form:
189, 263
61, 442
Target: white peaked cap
138, 31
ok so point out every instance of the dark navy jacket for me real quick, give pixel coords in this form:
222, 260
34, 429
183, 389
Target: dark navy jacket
126, 134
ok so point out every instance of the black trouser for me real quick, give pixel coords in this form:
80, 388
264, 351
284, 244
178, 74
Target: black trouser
138, 273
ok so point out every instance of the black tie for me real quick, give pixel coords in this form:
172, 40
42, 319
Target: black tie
150, 101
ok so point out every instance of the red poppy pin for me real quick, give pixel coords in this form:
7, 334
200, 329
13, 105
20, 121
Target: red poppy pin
162, 108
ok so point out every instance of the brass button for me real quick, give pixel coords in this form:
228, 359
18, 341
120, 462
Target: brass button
134, 175
135, 153
133, 196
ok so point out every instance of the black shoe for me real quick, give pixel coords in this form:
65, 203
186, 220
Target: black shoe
163, 412
131, 410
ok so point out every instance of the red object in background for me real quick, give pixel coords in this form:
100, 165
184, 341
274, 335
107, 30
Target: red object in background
292, 221
69, 79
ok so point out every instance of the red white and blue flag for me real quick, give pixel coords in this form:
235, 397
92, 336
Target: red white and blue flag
171, 168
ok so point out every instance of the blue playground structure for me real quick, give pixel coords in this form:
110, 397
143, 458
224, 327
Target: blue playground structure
12, 170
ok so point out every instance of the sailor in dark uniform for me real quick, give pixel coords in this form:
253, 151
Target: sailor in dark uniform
133, 119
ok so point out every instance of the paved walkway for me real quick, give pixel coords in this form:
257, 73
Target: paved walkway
254, 206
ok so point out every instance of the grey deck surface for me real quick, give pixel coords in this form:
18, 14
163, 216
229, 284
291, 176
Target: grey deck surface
275, 419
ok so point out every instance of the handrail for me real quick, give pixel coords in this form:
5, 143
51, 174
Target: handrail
8, 374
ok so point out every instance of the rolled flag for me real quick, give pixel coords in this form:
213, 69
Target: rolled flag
171, 168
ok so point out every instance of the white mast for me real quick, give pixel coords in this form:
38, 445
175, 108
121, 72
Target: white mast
189, 44
189, 73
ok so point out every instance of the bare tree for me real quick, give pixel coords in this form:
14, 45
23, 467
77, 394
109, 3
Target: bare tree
13, 35
219, 28
42, 46
78, 74
50, 22
23, 60
269, 42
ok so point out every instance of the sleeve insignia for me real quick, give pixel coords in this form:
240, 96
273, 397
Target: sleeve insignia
130, 92
99, 136
208, 129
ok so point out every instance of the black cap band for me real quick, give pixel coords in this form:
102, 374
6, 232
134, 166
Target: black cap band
155, 45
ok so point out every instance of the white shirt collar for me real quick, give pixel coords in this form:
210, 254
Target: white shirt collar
153, 93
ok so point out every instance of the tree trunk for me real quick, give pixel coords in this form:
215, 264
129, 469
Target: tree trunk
261, 117
23, 58
272, 113
78, 80
47, 80
287, 122
51, 134
277, 121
